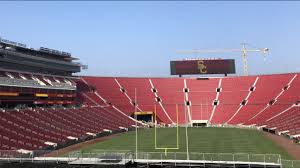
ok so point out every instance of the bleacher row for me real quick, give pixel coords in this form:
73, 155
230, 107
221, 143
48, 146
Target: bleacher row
32, 129
249, 100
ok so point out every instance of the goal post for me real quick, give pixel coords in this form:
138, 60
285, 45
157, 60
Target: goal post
155, 133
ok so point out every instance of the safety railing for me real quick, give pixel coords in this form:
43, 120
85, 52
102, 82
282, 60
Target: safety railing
290, 163
236, 157
127, 156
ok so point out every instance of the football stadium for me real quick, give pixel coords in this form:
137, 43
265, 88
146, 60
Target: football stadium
99, 88
53, 118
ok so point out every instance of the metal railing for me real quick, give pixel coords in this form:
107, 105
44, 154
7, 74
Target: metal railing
237, 157
290, 163
127, 156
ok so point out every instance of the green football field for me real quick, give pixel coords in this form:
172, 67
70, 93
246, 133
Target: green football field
202, 140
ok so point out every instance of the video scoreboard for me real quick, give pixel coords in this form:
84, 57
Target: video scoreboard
202, 66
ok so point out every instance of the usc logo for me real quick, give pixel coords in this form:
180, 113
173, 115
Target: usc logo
202, 67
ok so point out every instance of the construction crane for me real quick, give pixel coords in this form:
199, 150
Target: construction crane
244, 51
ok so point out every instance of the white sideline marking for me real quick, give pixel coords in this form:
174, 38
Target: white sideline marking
281, 92
161, 105
187, 99
241, 106
216, 98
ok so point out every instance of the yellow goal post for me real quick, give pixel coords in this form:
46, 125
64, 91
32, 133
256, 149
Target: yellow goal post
177, 133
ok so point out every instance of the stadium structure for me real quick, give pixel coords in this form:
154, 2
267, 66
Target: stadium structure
45, 108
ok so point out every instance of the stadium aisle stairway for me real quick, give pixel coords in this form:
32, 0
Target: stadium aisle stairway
109, 89
170, 92
266, 89
202, 94
143, 91
233, 92
284, 101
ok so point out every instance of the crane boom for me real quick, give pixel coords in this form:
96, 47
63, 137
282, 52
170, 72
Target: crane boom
212, 51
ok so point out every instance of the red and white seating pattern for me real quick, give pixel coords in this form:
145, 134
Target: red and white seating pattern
268, 100
229, 100
34, 129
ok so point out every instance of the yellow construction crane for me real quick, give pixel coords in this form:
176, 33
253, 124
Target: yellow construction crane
244, 51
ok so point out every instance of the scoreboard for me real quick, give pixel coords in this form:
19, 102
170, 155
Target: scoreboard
199, 66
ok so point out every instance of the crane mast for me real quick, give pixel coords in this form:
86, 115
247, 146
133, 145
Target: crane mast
245, 61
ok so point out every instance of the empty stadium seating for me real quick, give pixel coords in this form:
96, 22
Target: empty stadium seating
202, 94
109, 102
244, 100
233, 92
31, 129
287, 122
284, 100
109, 89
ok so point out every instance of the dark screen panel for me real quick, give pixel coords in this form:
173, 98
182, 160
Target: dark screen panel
190, 67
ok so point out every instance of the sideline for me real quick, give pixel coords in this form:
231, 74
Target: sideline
63, 151
292, 148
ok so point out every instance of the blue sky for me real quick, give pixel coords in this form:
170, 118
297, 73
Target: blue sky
140, 38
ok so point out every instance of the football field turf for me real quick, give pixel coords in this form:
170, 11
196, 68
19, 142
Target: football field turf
202, 140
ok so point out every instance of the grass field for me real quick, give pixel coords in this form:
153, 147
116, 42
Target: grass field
202, 140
